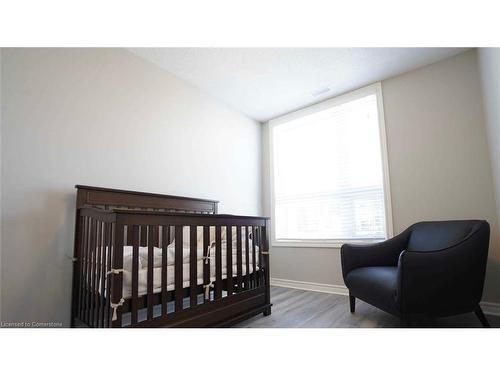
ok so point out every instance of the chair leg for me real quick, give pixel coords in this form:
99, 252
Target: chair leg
482, 318
352, 302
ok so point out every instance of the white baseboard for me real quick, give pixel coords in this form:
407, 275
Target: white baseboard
490, 308
314, 287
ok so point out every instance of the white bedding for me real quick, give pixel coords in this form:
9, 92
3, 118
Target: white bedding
157, 261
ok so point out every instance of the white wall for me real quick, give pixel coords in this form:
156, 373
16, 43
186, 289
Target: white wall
0, 183
489, 67
489, 63
103, 117
438, 151
438, 160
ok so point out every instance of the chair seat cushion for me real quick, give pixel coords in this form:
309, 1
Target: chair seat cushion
375, 285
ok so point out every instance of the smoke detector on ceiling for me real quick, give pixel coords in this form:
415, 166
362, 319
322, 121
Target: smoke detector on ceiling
320, 91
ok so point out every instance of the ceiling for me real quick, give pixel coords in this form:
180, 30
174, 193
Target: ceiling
265, 83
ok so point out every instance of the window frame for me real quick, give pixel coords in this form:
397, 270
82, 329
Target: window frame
376, 89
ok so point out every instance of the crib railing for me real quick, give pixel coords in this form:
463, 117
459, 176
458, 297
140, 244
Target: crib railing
95, 243
148, 268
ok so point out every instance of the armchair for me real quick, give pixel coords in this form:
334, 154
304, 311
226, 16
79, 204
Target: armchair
432, 269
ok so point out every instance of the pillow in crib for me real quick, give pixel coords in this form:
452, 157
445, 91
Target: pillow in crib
143, 257
234, 235
186, 235
127, 259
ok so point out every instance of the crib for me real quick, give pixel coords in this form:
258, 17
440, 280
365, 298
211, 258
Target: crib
154, 260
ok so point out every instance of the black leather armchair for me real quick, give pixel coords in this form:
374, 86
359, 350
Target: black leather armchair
433, 268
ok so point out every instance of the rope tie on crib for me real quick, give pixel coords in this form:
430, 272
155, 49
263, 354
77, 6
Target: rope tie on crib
209, 255
115, 271
207, 289
115, 306
73, 259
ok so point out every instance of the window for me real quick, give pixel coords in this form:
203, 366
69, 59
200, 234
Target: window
329, 172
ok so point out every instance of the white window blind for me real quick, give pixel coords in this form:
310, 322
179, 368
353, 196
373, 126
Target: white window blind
328, 176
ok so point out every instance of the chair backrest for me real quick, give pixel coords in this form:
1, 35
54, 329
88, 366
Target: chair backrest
435, 235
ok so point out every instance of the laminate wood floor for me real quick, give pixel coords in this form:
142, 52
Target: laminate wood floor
294, 308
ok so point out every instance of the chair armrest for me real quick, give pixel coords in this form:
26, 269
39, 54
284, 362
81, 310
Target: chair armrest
443, 281
384, 253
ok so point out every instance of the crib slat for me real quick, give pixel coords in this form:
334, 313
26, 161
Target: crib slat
247, 259
157, 236
99, 305
94, 274
98, 273
103, 272
84, 270
257, 242
144, 235
130, 235
165, 239
239, 260
178, 268
90, 302
87, 265
83, 262
75, 292
264, 244
193, 269
135, 272
117, 278
254, 260
150, 230
97, 296
111, 240
206, 261
229, 259
218, 263
261, 263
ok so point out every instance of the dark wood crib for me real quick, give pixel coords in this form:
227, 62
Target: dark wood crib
109, 221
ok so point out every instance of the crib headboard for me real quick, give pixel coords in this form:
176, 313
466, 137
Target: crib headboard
91, 196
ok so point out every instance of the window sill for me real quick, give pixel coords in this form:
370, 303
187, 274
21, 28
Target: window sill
321, 244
